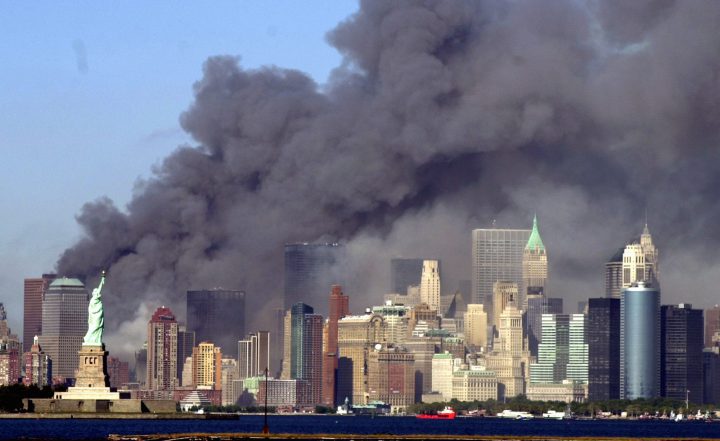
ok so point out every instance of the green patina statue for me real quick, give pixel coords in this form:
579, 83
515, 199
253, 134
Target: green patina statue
96, 317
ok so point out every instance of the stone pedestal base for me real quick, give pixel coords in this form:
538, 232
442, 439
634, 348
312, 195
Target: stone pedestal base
91, 381
92, 370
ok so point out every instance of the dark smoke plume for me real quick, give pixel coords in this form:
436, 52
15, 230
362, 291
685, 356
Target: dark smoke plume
442, 117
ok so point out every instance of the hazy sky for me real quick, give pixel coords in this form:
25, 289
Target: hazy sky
90, 95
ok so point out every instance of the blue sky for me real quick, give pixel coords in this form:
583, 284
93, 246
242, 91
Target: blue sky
91, 92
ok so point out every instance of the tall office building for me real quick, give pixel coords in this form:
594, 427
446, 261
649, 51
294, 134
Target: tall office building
162, 349
510, 357
7, 338
254, 355
537, 305
207, 366
64, 324
578, 350
711, 375
404, 273
185, 345
391, 377
476, 327
305, 348
217, 316
504, 293
396, 319
309, 269
681, 352
430, 284
614, 275
9, 365
357, 335
38, 366
497, 254
554, 351
534, 266
603, 338
140, 370
712, 326
33, 291
640, 342
339, 307
640, 261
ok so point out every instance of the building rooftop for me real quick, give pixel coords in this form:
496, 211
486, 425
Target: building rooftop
535, 242
66, 281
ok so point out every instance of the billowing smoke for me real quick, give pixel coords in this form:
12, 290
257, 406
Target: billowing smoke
443, 117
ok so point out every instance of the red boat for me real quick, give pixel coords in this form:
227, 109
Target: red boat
446, 414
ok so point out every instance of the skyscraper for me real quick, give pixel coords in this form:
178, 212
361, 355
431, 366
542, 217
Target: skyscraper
217, 316
554, 351
207, 366
185, 345
504, 293
404, 273
614, 275
430, 284
162, 349
476, 327
391, 377
603, 338
510, 357
32, 308
537, 305
497, 254
305, 348
254, 355
640, 261
38, 366
309, 269
534, 266
712, 325
640, 342
681, 352
357, 335
7, 338
64, 324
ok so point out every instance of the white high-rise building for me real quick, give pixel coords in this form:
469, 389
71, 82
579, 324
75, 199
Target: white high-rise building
443, 366
430, 284
476, 326
504, 293
640, 261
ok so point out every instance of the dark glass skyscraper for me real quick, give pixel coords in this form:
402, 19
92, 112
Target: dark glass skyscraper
681, 351
538, 305
310, 269
217, 316
306, 337
602, 334
32, 308
640, 342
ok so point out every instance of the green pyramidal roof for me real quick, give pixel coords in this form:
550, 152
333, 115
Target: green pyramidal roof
535, 242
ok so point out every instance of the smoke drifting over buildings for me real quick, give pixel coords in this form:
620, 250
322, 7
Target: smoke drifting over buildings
442, 117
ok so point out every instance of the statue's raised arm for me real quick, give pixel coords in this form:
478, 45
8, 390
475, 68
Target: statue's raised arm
96, 316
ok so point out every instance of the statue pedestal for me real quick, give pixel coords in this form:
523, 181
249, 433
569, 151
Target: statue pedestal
91, 382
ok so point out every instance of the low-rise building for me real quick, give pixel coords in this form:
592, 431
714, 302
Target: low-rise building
476, 384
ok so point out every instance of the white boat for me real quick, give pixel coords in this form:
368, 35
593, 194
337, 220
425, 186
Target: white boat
555, 415
515, 414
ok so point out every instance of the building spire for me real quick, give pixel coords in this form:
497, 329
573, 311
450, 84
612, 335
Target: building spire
535, 243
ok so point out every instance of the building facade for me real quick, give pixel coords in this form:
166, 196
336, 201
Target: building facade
640, 342
681, 352
430, 284
339, 307
475, 384
497, 254
712, 326
185, 345
64, 324
305, 348
207, 366
504, 292
537, 305
38, 366
640, 261
476, 327
33, 291
357, 336
118, 372
603, 338
510, 358
310, 268
391, 377
162, 347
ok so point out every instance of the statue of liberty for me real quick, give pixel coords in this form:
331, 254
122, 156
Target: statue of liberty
96, 316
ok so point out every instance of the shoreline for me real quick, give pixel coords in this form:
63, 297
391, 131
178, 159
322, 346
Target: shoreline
117, 416
376, 437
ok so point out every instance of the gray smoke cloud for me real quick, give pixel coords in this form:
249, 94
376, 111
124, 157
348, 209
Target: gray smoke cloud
443, 117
